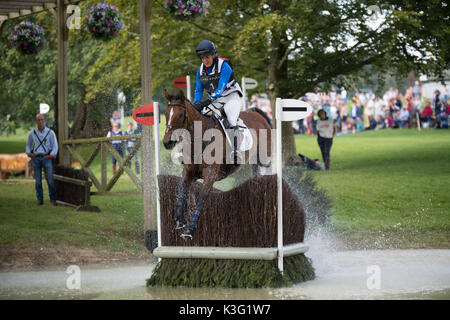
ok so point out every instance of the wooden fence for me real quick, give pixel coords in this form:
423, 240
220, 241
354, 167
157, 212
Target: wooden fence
102, 146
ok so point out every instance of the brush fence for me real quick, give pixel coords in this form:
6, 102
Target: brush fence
237, 224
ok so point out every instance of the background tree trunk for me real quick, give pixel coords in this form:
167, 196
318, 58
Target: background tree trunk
278, 75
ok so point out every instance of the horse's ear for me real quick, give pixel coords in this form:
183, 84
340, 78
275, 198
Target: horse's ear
182, 96
167, 95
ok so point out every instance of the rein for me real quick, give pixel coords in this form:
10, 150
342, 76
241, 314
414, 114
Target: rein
169, 127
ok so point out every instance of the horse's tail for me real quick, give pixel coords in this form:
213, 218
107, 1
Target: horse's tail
263, 114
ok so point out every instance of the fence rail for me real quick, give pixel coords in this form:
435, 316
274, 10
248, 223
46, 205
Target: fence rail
102, 146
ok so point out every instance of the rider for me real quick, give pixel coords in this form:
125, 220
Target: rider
216, 76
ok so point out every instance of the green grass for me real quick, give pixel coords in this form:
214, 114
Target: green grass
391, 184
389, 189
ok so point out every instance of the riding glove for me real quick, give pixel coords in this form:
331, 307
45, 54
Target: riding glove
200, 105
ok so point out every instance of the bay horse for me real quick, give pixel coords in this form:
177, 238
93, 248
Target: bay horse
181, 114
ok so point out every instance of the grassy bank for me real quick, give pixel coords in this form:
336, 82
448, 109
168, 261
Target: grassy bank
389, 188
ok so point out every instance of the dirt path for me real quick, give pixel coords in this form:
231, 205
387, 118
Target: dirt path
13, 258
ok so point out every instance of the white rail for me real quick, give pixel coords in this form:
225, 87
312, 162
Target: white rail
244, 253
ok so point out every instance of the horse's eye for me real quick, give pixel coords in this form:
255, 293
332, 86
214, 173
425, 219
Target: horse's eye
180, 116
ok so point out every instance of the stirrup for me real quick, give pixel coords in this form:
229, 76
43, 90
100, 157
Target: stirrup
236, 154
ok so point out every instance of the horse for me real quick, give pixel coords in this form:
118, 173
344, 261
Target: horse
181, 114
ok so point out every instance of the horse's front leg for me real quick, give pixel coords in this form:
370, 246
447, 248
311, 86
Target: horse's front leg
210, 175
180, 222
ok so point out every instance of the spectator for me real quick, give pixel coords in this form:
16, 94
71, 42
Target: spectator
392, 107
378, 107
380, 123
355, 110
117, 144
426, 116
369, 110
326, 130
444, 113
372, 123
445, 94
359, 124
254, 101
131, 143
388, 121
42, 147
327, 106
343, 95
417, 90
355, 113
314, 118
404, 117
5, 128
437, 103
116, 118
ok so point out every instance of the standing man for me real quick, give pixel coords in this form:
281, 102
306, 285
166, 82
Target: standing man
42, 147
326, 130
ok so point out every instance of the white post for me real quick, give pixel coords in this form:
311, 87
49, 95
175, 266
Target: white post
188, 89
244, 94
418, 121
278, 107
157, 152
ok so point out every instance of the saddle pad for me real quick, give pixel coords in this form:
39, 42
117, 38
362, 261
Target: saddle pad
247, 139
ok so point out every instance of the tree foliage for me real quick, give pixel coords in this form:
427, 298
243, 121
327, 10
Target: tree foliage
290, 47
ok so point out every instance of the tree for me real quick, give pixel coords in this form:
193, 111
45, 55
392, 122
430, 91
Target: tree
290, 47
311, 43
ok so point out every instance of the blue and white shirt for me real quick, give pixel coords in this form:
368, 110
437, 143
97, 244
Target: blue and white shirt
42, 142
207, 80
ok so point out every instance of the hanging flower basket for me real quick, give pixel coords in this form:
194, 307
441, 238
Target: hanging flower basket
186, 9
27, 37
104, 21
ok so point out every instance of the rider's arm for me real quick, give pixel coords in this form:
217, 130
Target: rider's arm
198, 88
225, 74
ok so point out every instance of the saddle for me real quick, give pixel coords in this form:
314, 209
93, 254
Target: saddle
218, 113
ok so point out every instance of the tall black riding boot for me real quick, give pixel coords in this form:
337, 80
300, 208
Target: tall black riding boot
237, 140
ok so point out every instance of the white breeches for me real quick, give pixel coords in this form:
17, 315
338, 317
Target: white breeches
232, 107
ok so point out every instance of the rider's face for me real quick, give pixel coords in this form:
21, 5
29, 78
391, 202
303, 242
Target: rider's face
208, 60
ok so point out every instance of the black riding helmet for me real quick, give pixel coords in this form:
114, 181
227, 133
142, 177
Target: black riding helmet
206, 48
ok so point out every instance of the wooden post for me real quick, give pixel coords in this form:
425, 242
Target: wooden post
104, 157
147, 135
62, 36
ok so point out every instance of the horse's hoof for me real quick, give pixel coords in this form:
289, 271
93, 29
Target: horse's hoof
179, 224
186, 235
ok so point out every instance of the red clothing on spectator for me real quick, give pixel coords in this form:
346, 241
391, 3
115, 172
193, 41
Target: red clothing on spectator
427, 111
390, 122
447, 110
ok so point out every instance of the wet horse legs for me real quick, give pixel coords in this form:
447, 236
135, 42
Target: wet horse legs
179, 208
191, 226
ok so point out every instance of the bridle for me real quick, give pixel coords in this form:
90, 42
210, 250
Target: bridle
185, 125
169, 127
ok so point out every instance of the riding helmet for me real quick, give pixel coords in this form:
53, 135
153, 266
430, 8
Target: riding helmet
206, 48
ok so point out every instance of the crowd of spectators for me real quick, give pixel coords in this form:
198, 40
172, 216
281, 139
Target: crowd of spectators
367, 111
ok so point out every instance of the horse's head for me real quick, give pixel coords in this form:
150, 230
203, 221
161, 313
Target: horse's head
176, 117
